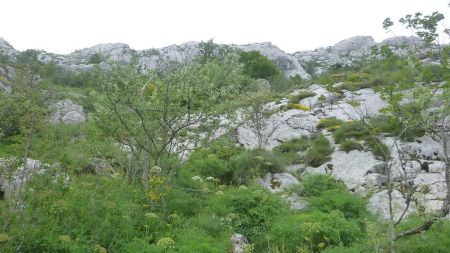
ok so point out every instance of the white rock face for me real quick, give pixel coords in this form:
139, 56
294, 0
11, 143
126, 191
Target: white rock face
379, 205
278, 182
424, 148
286, 62
7, 49
11, 183
238, 242
353, 44
67, 112
368, 102
352, 168
435, 166
280, 127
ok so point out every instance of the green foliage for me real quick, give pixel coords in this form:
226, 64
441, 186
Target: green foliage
320, 151
359, 131
424, 26
294, 145
314, 231
394, 127
349, 145
300, 96
209, 167
301, 107
252, 211
95, 58
338, 199
315, 185
257, 65
330, 124
433, 240
92, 211
232, 165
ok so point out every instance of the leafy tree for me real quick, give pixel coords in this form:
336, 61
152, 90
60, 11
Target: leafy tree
257, 65
161, 117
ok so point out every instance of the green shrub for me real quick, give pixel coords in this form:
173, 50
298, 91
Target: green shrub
330, 124
349, 145
257, 65
210, 166
315, 185
296, 106
313, 231
182, 203
342, 249
392, 126
434, 240
251, 211
340, 199
92, 211
356, 130
379, 149
319, 152
301, 95
294, 145
194, 240
351, 130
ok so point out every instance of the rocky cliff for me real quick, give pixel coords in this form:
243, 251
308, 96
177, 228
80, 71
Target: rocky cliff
304, 63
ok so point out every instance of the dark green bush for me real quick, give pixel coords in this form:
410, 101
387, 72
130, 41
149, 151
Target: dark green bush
349, 145
301, 95
92, 211
210, 166
330, 124
313, 231
392, 126
294, 145
351, 130
251, 211
315, 185
340, 199
319, 152
257, 65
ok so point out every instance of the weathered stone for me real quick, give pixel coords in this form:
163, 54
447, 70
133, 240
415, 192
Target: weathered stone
238, 243
352, 167
67, 112
379, 205
278, 182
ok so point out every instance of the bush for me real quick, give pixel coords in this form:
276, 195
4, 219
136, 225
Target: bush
294, 145
251, 211
356, 130
349, 130
319, 152
349, 145
301, 95
257, 65
301, 107
315, 185
393, 127
313, 231
210, 166
340, 199
92, 211
330, 124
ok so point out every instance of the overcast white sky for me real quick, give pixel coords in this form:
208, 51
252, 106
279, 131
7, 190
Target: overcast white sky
61, 26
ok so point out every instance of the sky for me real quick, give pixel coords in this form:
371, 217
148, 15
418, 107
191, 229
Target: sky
62, 26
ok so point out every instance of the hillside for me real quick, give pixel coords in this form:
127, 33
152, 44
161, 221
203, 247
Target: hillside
201, 147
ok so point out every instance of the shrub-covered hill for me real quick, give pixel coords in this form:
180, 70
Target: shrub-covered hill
212, 148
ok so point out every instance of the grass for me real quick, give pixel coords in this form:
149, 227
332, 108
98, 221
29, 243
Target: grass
320, 151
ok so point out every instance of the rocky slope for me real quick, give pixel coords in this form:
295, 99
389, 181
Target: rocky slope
305, 63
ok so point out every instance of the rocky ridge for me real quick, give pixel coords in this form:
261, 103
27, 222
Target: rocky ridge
304, 64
